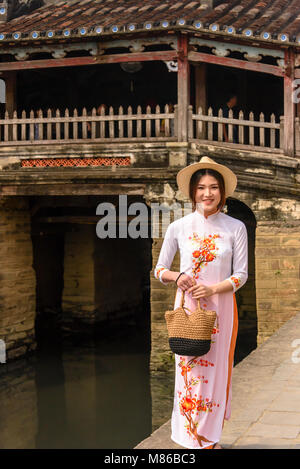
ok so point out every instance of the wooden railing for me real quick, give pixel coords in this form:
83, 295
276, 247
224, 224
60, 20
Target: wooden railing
53, 127
251, 133
49, 127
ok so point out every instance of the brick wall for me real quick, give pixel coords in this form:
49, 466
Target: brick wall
277, 277
17, 278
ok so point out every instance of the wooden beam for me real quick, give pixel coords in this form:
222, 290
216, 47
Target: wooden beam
80, 61
289, 105
138, 57
47, 63
183, 88
198, 57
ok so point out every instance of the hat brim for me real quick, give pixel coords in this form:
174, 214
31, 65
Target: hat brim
184, 176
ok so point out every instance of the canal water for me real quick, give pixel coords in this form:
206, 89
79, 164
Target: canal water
78, 393
85, 392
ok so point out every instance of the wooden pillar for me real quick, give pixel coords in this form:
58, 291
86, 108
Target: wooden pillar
200, 92
10, 79
289, 105
183, 88
298, 109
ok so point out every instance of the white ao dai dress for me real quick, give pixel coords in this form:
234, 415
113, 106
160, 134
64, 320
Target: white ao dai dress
212, 249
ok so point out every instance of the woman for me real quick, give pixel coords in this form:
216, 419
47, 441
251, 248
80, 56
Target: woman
213, 266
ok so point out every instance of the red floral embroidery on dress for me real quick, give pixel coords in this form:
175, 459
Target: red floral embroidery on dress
190, 404
201, 362
205, 252
159, 271
236, 280
216, 329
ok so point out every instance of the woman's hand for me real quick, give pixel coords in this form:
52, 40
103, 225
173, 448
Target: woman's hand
185, 282
200, 291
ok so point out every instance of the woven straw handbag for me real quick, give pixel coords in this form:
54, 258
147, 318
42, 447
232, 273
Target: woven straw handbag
190, 334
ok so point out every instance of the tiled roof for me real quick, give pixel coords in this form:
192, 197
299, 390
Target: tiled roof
267, 20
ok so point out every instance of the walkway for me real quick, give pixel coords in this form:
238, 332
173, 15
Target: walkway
266, 398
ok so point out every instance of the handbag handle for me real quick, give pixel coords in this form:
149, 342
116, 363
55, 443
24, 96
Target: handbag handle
185, 307
199, 306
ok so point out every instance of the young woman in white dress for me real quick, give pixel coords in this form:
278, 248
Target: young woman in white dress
213, 266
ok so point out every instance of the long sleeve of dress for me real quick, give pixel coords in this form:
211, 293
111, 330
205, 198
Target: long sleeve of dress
240, 258
168, 250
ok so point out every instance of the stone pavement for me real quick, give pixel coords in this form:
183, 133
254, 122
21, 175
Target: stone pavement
265, 398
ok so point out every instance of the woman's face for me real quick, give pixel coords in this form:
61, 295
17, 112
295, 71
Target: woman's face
208, 194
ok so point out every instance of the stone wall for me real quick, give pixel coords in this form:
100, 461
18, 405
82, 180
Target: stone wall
277, 276
78, 300
277, 255
17, 278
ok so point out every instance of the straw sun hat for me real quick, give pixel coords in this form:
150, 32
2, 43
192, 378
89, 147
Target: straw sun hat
184, 175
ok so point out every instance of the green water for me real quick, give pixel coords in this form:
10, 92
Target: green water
78, 394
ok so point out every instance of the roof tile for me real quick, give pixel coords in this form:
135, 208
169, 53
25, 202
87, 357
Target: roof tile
191, 5
274, 15
176, 5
